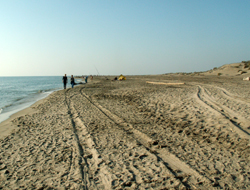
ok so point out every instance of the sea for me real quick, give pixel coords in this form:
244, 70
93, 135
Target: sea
18, 93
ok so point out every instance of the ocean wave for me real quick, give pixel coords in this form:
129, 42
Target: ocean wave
40, 91
46, 90
6, 106
32, 97
18, 99
9, 106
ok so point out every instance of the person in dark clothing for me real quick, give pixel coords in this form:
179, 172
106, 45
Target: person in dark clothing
86, 79
72, 81
65, 80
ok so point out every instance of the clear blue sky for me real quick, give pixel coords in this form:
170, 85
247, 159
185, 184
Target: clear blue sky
54, 37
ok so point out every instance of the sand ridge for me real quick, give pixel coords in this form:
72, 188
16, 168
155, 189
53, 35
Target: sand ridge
133, 135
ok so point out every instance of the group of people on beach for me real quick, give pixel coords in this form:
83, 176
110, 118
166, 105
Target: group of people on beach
72, 80
65, 81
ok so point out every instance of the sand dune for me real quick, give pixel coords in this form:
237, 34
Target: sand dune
233, 69
133, 135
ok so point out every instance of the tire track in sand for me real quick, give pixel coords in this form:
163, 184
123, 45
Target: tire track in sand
244, 122
178, 168
77, 157
90, 161
233, 97
207, 101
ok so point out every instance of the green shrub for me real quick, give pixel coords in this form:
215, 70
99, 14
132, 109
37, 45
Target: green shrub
246, 65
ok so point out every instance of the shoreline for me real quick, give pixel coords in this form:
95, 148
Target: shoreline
132, 134
13, 109
18, 93
6, 125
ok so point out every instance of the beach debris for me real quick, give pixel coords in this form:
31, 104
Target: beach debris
246, 78
115, 79
164, 83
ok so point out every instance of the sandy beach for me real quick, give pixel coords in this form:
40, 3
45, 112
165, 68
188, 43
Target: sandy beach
190, 133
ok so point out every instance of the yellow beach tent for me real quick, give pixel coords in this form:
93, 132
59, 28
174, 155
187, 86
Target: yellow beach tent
121, 77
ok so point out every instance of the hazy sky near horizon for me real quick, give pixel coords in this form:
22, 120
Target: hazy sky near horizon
112, 37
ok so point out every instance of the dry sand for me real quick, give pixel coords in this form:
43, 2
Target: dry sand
133, 135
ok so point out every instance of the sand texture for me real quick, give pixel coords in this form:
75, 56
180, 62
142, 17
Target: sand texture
133, 135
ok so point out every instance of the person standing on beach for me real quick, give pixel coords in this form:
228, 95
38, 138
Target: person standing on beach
65, 80
86, 79
72, 81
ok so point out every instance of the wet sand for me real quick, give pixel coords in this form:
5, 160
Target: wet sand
133, 135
